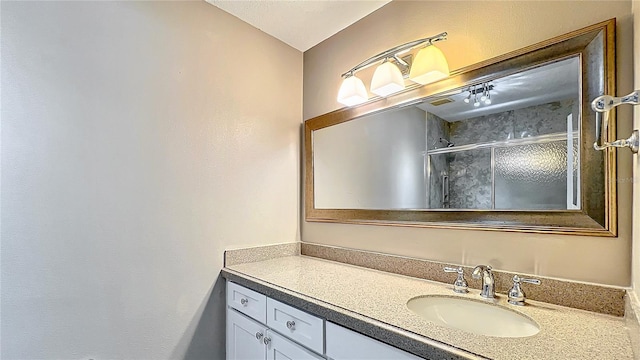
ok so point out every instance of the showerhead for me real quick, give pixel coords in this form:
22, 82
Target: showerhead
449, 143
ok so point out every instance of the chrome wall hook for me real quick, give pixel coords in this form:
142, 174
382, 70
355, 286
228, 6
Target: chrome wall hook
602, 105
633, 143
605, 103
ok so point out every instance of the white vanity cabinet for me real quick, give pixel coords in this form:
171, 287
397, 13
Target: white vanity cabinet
261, 328
251, 334
247, 339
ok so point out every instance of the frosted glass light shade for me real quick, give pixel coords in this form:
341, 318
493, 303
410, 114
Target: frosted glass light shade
430, 65
352, 91
387, 80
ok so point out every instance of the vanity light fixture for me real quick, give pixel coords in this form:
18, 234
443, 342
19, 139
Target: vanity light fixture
429, 65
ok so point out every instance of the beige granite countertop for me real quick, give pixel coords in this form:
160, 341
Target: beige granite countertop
565, 333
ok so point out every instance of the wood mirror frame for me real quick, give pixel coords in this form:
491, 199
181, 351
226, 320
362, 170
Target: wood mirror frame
597, 216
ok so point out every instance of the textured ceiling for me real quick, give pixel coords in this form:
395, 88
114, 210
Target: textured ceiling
300, 23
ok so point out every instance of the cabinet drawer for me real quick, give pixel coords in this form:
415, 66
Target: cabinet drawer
296, 324
344, 344
247, 301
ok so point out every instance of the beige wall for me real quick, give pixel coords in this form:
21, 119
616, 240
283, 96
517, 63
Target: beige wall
139, 140
478, 30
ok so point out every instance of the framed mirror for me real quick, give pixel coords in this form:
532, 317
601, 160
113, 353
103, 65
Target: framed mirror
506, 144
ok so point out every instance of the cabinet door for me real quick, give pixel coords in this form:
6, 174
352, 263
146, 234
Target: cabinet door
281, 348
244, 337
344, 344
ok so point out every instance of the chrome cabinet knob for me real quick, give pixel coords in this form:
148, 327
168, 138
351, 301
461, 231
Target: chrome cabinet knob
259, 335
266, 340
244, 302
291, 325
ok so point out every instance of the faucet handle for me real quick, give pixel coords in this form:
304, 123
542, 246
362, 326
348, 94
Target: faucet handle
450, 269
460, 285
516, 294
529, 281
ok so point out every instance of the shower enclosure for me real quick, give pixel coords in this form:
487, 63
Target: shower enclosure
516, 159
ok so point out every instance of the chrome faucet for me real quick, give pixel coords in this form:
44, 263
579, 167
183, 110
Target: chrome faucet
488, 282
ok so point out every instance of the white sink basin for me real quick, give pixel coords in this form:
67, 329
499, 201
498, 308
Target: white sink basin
474, 316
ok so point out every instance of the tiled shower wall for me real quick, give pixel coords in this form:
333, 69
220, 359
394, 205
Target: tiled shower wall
470, 171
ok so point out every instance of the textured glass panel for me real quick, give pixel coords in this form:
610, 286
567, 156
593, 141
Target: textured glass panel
530, 177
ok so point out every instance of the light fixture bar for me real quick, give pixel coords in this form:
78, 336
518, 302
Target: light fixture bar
391, 53
482, 89
389, 78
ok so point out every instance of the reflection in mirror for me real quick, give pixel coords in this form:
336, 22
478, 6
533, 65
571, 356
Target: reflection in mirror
497, 145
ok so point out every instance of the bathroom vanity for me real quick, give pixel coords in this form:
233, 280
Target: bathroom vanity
259, 326
310, 308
